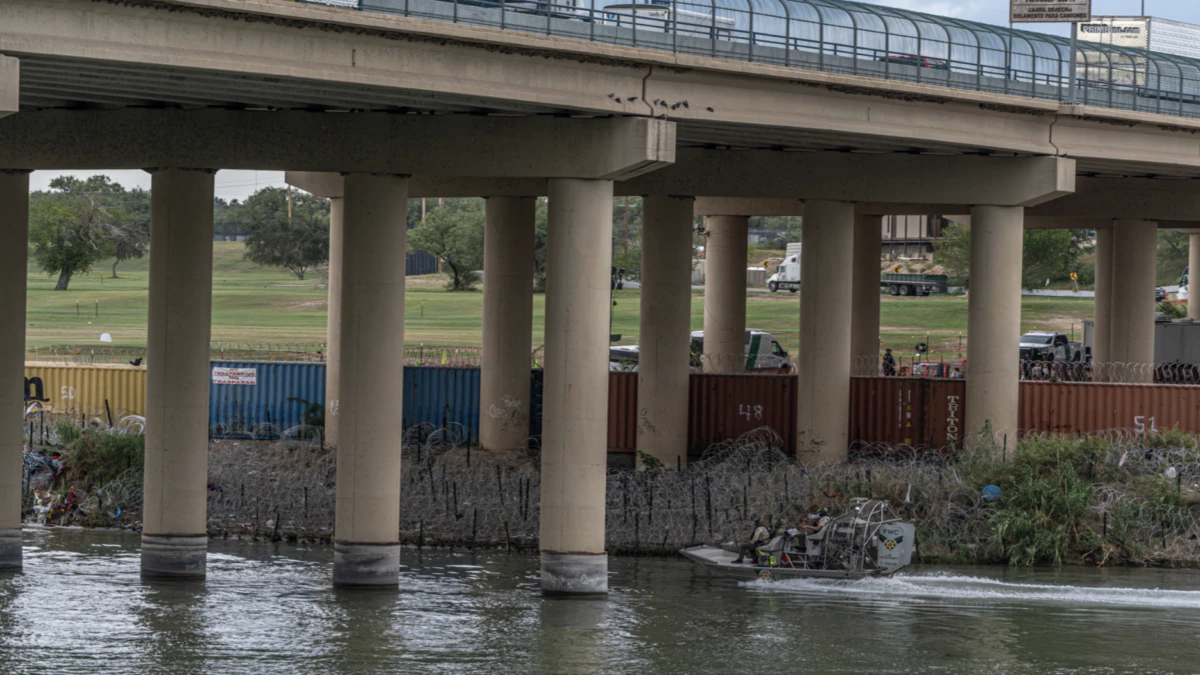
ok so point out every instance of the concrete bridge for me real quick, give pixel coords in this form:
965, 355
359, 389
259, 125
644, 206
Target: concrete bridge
371, 108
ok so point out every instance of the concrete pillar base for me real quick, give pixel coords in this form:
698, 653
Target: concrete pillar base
168, 557
574, 573
10, 549
366, 565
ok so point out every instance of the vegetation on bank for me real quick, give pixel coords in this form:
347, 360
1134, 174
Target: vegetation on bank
1118, 499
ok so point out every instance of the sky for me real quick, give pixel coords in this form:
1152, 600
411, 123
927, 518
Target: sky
241, 184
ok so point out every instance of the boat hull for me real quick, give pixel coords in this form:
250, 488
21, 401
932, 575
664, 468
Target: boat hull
719, 562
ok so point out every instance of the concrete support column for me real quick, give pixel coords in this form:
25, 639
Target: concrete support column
826, 275
366, 538
14, 238
1102, 305
994, 321
725, 294
864, 307
333, 324
1135, 251
1193, 306
507, 322
663, 341
575, 412
175, 523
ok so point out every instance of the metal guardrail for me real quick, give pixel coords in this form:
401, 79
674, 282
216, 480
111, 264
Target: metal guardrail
845, 37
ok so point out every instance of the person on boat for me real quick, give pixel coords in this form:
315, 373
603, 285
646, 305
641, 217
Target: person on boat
757, 538
821, 521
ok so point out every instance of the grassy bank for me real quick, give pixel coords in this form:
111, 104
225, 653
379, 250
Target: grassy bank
265, 306
1099, 501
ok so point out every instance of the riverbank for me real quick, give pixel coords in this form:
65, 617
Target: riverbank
1105, 500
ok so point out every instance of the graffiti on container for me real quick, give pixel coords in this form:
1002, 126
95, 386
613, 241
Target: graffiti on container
952, 420
35, 390
332, 407
66, 393
1139, 423
750, 412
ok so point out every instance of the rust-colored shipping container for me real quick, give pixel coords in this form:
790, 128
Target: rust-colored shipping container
723, 407
1074, 407
917, 412
622, 412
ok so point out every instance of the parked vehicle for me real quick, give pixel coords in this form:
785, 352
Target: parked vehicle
788, 276
1043, 346
763, 352
1160, 294
913, 284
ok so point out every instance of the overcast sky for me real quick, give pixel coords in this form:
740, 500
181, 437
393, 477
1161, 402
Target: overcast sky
241, 184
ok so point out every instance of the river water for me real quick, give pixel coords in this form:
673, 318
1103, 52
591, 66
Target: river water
80, 607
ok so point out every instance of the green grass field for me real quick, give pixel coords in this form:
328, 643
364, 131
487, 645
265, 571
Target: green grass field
253, 305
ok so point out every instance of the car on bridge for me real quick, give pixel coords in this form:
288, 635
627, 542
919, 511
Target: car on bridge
913, 60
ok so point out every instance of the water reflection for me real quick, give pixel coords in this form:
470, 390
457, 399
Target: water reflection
81, 606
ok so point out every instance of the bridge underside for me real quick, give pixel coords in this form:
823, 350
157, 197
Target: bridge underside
376, 109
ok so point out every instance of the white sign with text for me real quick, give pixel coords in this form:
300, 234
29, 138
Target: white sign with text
235, 375
1050, 11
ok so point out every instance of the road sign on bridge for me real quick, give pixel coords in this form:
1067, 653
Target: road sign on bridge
1050, 11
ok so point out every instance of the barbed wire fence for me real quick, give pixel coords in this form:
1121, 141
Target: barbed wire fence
281, 484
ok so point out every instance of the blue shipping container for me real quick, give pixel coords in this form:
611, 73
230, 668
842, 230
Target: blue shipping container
443, 397
280, 395
434, 396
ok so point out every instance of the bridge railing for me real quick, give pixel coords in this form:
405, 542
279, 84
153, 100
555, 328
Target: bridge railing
845, 37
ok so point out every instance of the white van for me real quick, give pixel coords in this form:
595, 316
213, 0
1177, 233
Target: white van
764, 354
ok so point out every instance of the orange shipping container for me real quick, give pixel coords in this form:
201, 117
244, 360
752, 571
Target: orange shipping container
1073, 407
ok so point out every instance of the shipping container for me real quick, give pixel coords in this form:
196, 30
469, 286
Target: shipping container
443, 398
94, 390
1126, 67
263, 398
723, 407
622, 411
914, 412
1073, 407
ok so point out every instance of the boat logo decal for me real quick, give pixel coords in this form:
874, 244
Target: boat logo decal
765, 575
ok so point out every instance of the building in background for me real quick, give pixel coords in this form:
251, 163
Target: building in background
911, 237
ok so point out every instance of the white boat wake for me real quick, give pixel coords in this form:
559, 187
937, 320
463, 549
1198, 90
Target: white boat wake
955, 588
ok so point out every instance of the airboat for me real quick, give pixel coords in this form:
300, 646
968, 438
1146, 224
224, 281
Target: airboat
868, 540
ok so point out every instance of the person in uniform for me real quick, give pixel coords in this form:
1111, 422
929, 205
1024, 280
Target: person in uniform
758, 537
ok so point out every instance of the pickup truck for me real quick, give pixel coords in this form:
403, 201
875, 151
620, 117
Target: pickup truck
1041, 346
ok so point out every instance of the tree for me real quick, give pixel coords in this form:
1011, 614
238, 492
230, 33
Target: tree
71, 226
454, 234
295, 239
1047, 254
1172, 255
953, 250
129, 231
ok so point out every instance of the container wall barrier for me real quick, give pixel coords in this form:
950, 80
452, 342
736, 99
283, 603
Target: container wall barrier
248, 398
1072, 407
263, 399
88, 390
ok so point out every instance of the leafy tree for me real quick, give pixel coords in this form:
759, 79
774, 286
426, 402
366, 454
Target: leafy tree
1047, 254
129, 230
953, 250
228, 220
1172, 255
453, 233
71, 225
295, 241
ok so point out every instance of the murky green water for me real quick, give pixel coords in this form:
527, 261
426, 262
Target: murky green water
80, 607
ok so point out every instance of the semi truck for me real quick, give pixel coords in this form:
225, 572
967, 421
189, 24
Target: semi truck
913, 284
